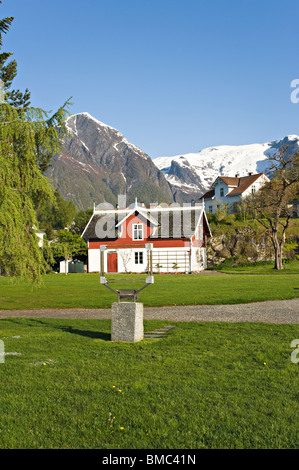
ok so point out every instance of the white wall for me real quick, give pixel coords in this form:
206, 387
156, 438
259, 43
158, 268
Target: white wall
94, 261
166, 257
218, 200
126, 260
62, 267
198, 259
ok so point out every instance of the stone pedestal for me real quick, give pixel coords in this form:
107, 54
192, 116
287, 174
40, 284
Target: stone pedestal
127, 321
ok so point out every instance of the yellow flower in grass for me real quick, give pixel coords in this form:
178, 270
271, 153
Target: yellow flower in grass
121, 428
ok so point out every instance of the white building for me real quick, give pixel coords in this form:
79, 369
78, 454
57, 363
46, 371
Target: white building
231, 190
178, 236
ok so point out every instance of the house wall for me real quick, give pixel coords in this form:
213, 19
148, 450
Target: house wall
169, 255
218, 200
198, 259
164, 260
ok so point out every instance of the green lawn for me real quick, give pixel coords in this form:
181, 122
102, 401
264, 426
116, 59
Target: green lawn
206, 385
85, 291
258, 268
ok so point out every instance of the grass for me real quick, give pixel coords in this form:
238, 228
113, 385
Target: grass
259, 267
85, 291
204, 386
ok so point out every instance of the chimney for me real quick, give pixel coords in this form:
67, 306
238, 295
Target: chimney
250, 173
237, 175
117, 206
142, 204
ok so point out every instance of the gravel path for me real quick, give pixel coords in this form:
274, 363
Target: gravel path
277, 311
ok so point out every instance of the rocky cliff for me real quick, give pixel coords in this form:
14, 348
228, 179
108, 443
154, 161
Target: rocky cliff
97, 163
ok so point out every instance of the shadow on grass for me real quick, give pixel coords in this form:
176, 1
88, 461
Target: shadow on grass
67, 329
86, 333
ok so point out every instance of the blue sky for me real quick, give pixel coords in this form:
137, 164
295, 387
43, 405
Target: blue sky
173, 76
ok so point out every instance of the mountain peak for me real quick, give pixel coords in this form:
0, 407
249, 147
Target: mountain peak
192, 174
89, 116
96, 164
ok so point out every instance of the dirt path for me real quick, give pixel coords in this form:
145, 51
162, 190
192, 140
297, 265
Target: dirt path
277, 311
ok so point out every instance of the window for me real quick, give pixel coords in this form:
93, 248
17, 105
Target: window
211, 209
253, 189
138, 257
137, 232
221, 192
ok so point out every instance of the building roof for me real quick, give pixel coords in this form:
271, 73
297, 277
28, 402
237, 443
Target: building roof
176, 222
209, 195
244, 183
239, 184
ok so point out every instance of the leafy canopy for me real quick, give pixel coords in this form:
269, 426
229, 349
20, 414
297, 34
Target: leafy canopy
22, 186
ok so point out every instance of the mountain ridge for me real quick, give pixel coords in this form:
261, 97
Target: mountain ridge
97, 163
192, 174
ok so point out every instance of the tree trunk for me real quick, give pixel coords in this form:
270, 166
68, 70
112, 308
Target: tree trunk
278, 251
66, 266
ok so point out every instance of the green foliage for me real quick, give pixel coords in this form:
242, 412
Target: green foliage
55, 214
80, 221
8, 71
21, 183
22, 188
69, 245
28, 139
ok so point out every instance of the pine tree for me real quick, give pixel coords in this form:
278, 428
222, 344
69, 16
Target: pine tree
8, 71
28, 139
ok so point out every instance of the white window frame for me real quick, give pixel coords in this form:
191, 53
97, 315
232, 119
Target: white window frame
137, 231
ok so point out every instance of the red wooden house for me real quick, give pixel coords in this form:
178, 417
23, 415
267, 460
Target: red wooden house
178, 235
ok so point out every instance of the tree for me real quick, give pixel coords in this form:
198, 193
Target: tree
69, 245
22, 186
55, 214
269, 205
8, 71
80, 221
28, 139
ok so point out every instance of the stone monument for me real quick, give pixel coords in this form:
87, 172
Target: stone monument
127, 313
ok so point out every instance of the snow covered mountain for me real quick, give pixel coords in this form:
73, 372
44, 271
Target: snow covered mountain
96, 164
192, 174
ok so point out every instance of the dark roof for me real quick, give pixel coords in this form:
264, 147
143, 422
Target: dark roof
240, 184
105, 222
209, 194
169, 223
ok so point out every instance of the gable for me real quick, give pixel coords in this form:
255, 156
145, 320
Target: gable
163, 223
244, 183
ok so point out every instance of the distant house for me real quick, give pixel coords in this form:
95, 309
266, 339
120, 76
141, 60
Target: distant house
230, 190
178, 236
